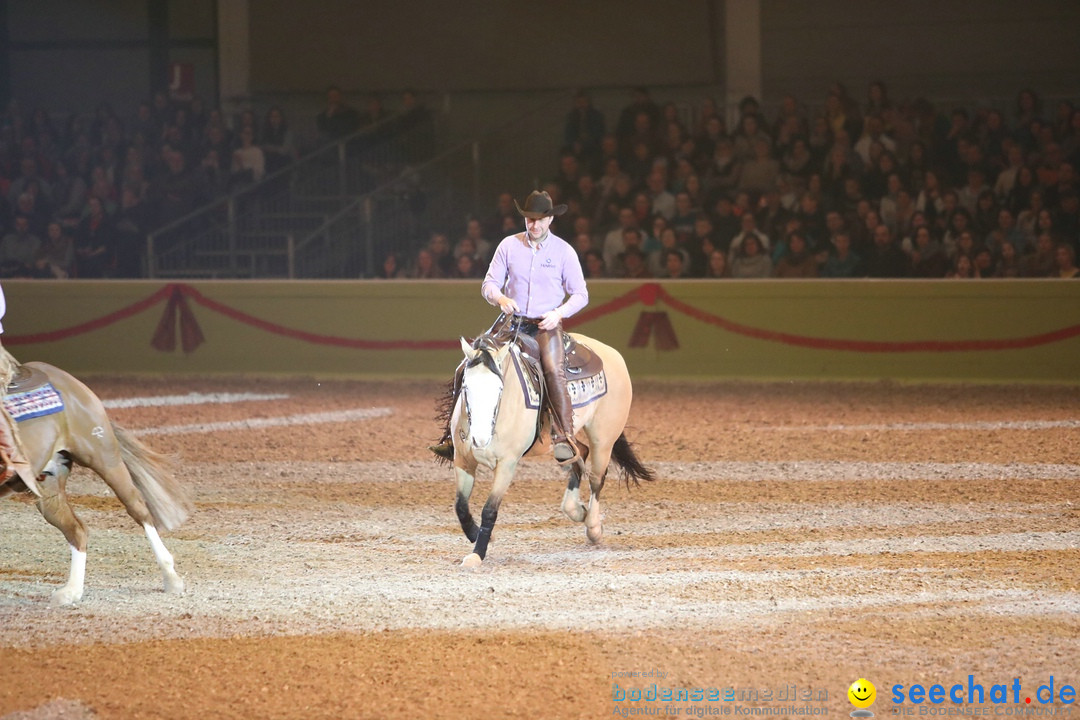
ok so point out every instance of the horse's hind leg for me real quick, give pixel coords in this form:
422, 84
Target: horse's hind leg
118, 478
571, 503
55, 508
594, 518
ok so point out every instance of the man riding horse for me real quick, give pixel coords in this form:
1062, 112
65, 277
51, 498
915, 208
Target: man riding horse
535, 279
11, 455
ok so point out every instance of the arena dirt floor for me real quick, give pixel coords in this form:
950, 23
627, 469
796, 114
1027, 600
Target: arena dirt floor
798, 537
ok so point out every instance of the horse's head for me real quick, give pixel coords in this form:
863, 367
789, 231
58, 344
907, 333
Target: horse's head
482, 386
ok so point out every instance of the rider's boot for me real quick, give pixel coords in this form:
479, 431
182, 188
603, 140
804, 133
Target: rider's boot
562, 410
13, 460
445, 447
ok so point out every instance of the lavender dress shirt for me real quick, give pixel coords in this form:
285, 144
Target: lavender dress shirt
537, 278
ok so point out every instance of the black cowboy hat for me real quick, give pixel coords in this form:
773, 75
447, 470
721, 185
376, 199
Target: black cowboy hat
538, 205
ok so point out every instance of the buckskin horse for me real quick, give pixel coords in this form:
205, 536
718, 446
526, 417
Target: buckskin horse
499, 418
61, 421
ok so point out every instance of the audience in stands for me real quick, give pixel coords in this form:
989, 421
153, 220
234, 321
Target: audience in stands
833, 187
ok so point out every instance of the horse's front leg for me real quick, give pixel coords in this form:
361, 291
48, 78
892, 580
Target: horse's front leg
465, 479
504, 473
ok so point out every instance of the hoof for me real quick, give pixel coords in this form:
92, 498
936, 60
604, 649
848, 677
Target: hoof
575, 511
594, 533
472, 560
65, 596
174, 585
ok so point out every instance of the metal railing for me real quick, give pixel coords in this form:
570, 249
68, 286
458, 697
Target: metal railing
252, 231
339, 210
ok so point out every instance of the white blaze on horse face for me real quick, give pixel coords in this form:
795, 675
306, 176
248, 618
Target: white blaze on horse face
482, 390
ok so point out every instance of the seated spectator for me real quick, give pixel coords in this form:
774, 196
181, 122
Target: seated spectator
132, 223
985, 218
798, 261
583, 128
724, 168
27, 205
613, 240
391, 268
963, 269
885, 258
337, 120
750, 260
984, 262
441, 253
1065, 260
674, 265
873, 132
56, 256
176, 192
748, 223
467, 246
19, 250
95, 243
760, 171
276, 141
669, 243
1066, 220
248, 161
928, 258
717, 267
841, 261
594, 267
1008, 262
1042, 262
466, 268
1006, 231
424, 266
661, 201
746, 136
632, 264
69, 192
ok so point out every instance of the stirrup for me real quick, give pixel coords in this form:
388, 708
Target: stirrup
566, 452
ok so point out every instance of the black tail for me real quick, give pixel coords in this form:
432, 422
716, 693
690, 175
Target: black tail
630, 468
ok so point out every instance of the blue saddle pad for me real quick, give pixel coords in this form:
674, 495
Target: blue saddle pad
38, 402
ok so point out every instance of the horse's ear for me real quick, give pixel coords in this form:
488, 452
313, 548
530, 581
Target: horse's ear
468, 349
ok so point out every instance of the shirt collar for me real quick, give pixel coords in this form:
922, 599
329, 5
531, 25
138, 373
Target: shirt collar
539, 245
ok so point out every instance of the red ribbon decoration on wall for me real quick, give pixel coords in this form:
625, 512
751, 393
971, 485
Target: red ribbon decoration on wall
650, 324
191, 336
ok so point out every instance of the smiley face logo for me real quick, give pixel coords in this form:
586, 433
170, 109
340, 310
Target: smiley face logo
862, 693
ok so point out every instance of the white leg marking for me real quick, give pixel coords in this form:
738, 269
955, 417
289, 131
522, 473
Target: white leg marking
73, 591
174, 584
572, 505
594, 521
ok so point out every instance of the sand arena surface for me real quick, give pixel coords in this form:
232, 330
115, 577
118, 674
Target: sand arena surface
799, 534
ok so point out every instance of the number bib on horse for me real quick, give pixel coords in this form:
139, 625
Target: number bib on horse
31, 395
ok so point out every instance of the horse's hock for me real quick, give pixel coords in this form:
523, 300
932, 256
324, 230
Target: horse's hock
801, 535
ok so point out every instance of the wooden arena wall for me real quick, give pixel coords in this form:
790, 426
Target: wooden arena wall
986, 331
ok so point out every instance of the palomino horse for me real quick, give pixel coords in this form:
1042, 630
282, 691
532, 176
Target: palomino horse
497, 420
66, 423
